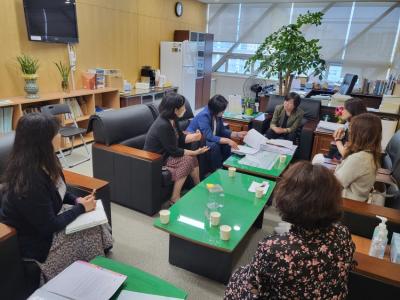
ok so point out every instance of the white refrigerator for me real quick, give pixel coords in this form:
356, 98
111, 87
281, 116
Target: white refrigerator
179, 64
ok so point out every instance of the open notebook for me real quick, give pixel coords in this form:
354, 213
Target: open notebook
88, 220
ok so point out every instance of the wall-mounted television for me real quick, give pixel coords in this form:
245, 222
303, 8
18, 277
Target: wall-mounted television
52, 21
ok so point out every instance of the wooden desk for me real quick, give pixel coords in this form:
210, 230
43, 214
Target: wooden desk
322, 142
239, 124
380, 269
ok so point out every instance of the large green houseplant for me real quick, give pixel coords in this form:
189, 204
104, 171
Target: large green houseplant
286, 53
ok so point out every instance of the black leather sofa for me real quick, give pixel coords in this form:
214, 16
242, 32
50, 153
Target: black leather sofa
19, 279
138, 179
309, 123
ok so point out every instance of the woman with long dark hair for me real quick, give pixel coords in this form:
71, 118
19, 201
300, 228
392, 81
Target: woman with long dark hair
218, 138
166, 138
38, 205
357, 171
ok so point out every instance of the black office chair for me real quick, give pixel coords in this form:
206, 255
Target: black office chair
69, 132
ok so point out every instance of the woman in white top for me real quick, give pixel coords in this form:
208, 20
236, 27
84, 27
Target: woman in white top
357, 171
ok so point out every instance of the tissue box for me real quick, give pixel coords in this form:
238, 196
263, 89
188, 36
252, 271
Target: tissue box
395, 248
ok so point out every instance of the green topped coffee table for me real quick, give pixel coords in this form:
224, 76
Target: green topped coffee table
194, 244
140, 281
275, 172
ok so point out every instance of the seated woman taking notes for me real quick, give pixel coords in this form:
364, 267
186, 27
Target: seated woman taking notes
218, 138
37, 204
286, 119
362, 153
165, 137
312, 260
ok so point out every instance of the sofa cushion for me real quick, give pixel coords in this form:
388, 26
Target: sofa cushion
117, 126
311, 108
135, 142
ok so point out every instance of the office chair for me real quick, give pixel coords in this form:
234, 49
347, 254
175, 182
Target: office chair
69, 132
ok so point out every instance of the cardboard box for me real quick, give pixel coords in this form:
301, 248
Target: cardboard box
115, 81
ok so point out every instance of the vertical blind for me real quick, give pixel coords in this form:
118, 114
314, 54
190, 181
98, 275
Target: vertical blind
350, 35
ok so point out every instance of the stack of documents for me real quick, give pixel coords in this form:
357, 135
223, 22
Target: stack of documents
330, 126
81, 281
262, 159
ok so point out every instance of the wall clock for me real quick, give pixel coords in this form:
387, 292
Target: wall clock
178, 9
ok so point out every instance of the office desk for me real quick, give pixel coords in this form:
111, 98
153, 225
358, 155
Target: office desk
238, 122
380, 269
139, 96
140, 281
194, 245
274, 173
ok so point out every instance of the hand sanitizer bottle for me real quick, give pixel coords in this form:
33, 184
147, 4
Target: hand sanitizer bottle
379, 239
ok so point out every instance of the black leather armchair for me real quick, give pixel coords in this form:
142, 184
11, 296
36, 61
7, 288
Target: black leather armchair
137, 178
309, 123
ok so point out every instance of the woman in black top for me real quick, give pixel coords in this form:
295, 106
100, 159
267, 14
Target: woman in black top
165, 137
35, 200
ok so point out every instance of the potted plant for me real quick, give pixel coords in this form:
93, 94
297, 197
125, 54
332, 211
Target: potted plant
286, 53
248, 104
29, 67
64, 70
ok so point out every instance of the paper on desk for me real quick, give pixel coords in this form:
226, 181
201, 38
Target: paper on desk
280, 143
254, 139
279, 149
244, 150
329, 125
129, 295
254, 185
85, 281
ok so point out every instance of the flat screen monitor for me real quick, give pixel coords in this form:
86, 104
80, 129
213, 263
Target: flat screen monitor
52, 21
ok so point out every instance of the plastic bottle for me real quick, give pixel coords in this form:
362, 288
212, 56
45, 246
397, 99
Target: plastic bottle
379, 239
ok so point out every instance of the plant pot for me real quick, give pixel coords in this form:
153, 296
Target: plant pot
65, 86
31, 88
249, 111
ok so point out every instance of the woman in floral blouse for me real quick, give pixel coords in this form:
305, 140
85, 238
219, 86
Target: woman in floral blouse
312, 260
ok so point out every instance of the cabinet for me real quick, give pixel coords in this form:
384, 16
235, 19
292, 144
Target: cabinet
204, 62
322, 142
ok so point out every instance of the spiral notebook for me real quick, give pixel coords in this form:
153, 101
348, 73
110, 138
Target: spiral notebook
88, 220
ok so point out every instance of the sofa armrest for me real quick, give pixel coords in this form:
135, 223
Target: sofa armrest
83, 182
6, 232
371, 210
306, 140
130, 151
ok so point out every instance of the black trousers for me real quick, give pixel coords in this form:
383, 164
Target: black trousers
284, 136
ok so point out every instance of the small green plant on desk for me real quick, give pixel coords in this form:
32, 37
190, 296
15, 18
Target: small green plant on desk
248, 104
64, 70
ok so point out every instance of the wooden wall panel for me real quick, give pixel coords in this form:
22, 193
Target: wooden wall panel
123, 34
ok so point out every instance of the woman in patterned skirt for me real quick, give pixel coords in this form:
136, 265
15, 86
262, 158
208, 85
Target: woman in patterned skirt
312, 260
37, 204
166, 138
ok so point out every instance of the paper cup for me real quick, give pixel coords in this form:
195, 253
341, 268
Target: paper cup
225, 232
231, 172
282, 159
164, 216
259, 191
215, 217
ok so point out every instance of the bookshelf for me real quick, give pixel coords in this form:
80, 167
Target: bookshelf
87, 100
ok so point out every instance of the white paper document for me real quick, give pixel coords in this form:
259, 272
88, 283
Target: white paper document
280, 143
129, 295
329, 125
88, 220
81, 281
244, 150
254, 139
262, 159
254, 185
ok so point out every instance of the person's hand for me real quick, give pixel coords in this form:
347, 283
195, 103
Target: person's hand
241, 134
196, 136
88, 202
233, 145
202, 150
338, 134
279, 130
